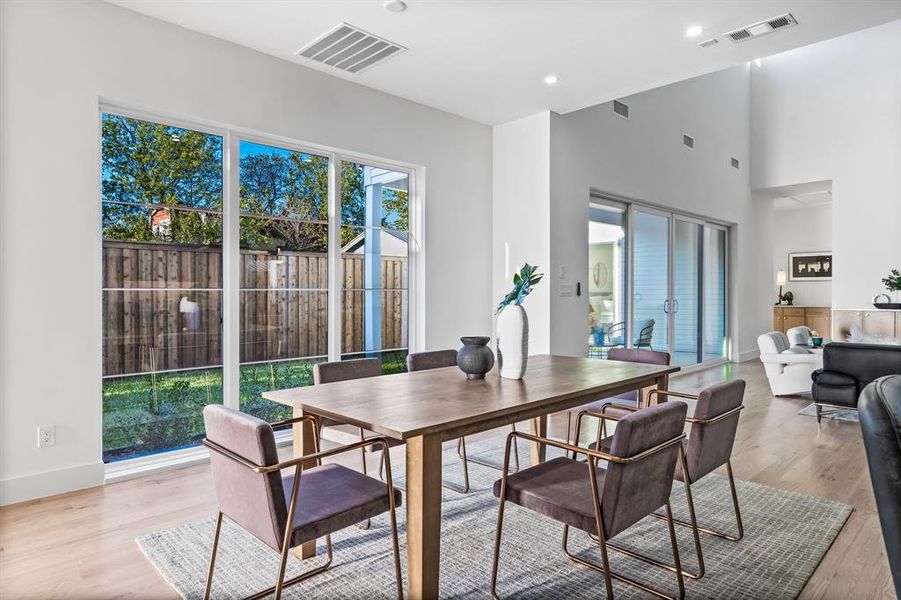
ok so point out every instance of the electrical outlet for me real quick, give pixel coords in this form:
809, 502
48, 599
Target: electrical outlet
46, 436
566, 290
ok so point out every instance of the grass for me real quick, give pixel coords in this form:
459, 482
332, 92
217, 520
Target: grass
144, 414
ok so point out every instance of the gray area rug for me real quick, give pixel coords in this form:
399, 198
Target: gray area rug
849, 416
786, 536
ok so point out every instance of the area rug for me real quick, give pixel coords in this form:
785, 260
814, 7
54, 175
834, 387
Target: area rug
849, 416
786, 536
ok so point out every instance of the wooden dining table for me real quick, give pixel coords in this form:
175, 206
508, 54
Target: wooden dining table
426, 408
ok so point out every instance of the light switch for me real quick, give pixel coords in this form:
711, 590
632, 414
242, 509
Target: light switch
562, 271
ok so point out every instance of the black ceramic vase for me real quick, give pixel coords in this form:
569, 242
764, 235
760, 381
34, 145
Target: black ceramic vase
475, 358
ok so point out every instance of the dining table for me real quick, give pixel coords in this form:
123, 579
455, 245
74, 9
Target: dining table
426, 408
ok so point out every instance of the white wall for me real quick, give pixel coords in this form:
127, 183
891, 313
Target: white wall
58, 60
521, 216
805, 229
642, 158
832, 111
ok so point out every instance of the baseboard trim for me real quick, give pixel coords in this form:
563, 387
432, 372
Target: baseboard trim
748, 355
51, 483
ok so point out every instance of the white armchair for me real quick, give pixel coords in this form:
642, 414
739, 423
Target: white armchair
788, 369
799, 336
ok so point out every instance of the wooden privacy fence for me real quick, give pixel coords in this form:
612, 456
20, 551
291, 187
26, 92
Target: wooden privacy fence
162, 306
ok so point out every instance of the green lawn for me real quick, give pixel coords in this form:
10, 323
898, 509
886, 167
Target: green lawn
143, 414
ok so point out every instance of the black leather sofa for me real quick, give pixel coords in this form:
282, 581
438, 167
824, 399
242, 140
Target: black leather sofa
848, 369
880, 421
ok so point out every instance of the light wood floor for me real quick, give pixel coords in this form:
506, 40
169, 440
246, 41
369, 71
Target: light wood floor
81, 545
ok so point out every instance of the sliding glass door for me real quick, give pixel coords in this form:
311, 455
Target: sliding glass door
674, 274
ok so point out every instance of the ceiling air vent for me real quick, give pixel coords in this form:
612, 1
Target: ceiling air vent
708, 43
350, 49
621, 109
734, 163
744, 34
688, 141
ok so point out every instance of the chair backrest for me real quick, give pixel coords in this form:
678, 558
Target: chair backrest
880, 422
632, 491
420, 361
774, 342
865, 362
344, 370
710, 444
651, 357
645, 333
798, 336
255, 501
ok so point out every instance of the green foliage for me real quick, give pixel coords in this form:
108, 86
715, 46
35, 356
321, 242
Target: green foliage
893, 282
523, 282
284, 195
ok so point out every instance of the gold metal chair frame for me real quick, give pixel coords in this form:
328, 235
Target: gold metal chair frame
450, 486
461, 444
593, 457
693, 523
297, 463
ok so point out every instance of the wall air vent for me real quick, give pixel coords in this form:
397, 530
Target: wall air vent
621, 109
744, 34
734, 163
688, 141
708, 43
350, 49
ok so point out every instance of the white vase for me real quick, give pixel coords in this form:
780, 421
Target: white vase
512, 342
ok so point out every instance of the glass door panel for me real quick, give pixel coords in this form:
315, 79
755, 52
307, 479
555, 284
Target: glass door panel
714, 294
606, 279
650, 280
685, 307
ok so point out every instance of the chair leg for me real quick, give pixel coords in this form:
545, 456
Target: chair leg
392, 510
819, 414
492, 465
449, 486
365, 525
209, 578
303, 576
714, 533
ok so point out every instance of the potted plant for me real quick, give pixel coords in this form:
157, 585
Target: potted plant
893, 284
513, 324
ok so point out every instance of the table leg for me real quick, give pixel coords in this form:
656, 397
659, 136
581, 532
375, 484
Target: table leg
539, 428
423, 516
304, 443
661, 383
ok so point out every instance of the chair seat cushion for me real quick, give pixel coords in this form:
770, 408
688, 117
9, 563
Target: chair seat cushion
333, 497
558, 489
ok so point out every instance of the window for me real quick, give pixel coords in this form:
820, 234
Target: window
162, 284
284, 272
322, 274
374, 253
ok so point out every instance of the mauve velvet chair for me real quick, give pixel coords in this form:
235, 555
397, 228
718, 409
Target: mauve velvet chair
632, 398
284, 512
437, 359
714, 424
346, 370
603, 501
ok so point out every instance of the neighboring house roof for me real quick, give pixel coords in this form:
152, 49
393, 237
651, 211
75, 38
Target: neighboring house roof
394, 243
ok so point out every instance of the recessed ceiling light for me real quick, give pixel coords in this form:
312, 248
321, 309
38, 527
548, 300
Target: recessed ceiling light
551, 80
694, 31
395, 5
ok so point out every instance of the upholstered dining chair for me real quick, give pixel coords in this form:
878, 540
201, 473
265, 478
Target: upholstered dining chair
631, 399
285, 512
421, 361
603, 501
711, 437
346, 370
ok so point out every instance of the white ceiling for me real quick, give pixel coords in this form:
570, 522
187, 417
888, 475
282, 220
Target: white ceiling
799, 195
486, 59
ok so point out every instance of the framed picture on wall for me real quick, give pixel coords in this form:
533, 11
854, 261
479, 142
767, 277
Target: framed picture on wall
810, 266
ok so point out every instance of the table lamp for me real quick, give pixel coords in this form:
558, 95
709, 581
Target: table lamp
780, 281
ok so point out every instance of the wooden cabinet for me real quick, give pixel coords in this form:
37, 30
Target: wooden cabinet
882, 323
818, 318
